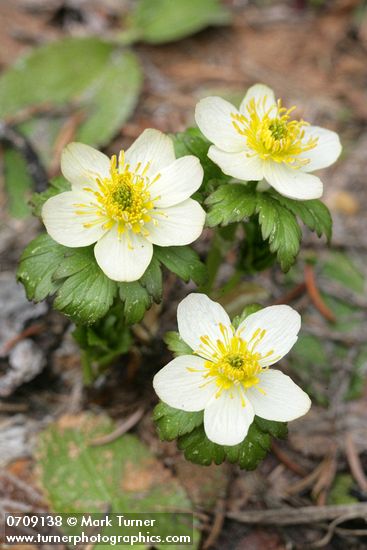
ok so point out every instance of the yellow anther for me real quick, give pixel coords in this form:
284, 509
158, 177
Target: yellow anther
122, 199
274, 135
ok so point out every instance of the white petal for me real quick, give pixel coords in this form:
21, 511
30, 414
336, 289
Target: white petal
82, 164
177, 182
327, 150
281, 323
182, 388
292, 182
283, 399
123, 257
177, 225
213, 116
263, 96
152, 147
227, 418
198, 315
237, 165
65, 226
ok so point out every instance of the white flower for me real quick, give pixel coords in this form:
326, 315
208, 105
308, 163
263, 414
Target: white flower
228, 376
128, 205
261, 141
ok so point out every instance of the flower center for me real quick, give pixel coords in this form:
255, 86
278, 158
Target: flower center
273, 134
232, 362
123, 199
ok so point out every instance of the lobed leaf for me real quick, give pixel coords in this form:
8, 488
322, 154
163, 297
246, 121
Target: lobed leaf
176, 344
136, 301
86, 293
57, 185
188, 428
183, 261
172, 423
231, 203
279, 226
37, 265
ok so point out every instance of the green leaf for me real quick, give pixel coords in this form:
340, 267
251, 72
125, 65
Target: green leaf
188, 428
136, 301
254, 252
37, 265
248, 454
275, 429
198, 449
176, 344
341, 490
183, 261
311, 364
86, 294
248, 310
101, 343
87, 72
152, 280
277, 217
279, 226
121, 476
193, 142
313, 213
231, 203
172, 423
160, 21
111, 98
339, 267
83, 292
57, 185
18, 183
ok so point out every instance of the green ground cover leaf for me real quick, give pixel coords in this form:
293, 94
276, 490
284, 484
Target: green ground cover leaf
89, 73
123, 476
161, 21
18, 183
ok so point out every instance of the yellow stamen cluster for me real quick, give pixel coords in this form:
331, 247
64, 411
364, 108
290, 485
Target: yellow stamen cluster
123, 198
272, 134
232, 362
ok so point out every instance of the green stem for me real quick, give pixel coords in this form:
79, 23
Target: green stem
88, 375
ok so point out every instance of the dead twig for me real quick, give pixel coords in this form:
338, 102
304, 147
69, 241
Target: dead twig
354, 463
300, 516
332, 529
315, 295
287, 461
124, 427
291, 295
29, 331
217, 525
65, 136
43, 109
13, 407
307, 481
325, 479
